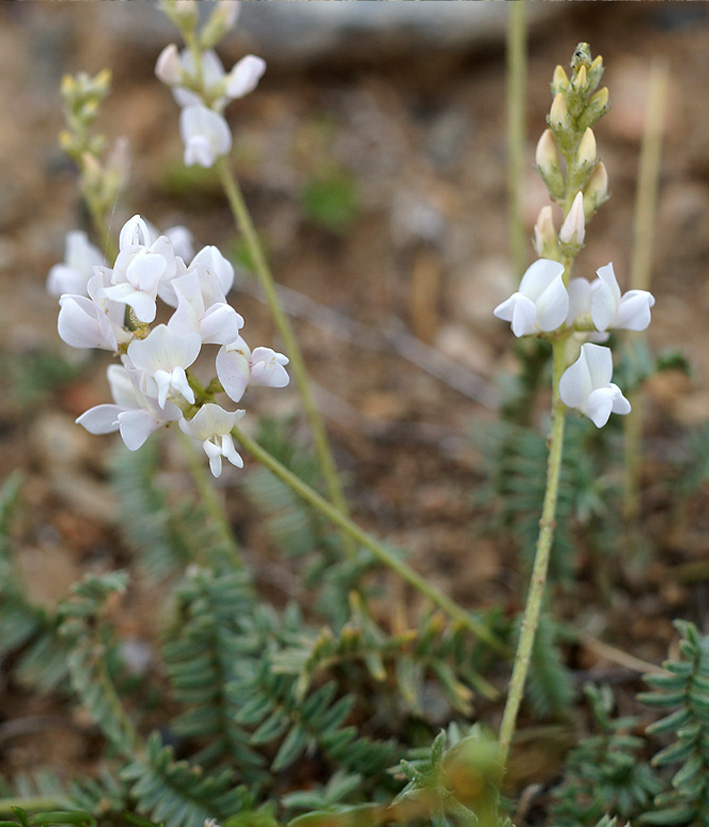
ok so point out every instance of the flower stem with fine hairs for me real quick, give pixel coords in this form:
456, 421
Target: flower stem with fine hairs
265, 277
535, 596
383, 554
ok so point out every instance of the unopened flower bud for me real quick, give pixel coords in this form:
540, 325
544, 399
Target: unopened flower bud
595, 72
544, 233
223, 18
559, 82
168, 67
559, 114
580, 79
587, 153
547, 161
596, 191
596, 108
573, 230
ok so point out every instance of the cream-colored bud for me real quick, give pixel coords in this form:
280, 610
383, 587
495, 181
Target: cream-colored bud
597, 63
587, 152
546, 157
600, 99
559, 114
547, 161
560, 81
580, 79
573, 230
168, 67
596, 191
544, 232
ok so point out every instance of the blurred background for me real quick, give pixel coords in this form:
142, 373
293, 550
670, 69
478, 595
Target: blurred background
373, 158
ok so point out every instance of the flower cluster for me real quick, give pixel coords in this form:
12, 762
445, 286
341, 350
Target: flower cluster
545, 305
200, 84
113, 308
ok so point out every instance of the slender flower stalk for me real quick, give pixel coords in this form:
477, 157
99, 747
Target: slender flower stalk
382, 554
550, 305
283, 325
535, 596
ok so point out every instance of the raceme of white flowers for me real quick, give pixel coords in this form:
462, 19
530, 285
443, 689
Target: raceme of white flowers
543, 304
203, 88
112, 308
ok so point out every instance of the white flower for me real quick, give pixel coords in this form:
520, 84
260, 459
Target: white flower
212, 259
540, 304
80, 258
244, 76
267, 368
238, 367
206, 135
631, 311
142, 264
93, 321
133, 413
212, 426
168, 67
586, 386
202, 308
213, 75
162, 357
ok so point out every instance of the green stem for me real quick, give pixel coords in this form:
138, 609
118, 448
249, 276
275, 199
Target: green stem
263, 272
209, 498
516, 73
535, 596
34, 803
362, 538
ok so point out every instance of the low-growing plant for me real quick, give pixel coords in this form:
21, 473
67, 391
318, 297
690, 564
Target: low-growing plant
323, 710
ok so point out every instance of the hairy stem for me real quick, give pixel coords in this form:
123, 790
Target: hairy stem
535, 595
382, 554
263, 272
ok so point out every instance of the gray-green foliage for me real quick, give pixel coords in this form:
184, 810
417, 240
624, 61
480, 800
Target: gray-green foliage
247, 690
605, 774
683, 693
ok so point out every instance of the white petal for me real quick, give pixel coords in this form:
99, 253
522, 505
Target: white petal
634, 310
101, 419
62, 279
123, 390
210, 420
600, 364
134, 233
575, 384
82, 324
233, 371
220, 324
245, 75
539, 276
599, 405
230, 452
182, 241
267, 368
206, 135
136, 427
579, 299
145, 271
163, 349
168, 68
212, 258
553, 305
